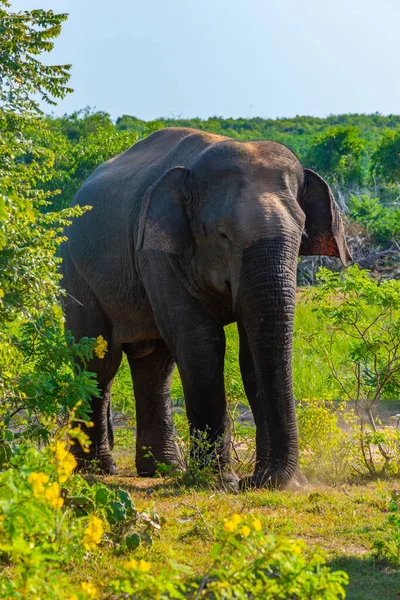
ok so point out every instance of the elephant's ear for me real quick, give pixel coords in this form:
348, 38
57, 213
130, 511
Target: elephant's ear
324, 231
163, 222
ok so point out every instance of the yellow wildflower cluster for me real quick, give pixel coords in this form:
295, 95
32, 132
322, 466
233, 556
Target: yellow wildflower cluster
93, 533
65, 461
90, 590
100, 348
53, 495
142, 565
233, 523
42, 489
38, 481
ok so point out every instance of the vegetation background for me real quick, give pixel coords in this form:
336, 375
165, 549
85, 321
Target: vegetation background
63, 535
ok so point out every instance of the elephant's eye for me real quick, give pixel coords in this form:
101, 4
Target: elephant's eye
223, 234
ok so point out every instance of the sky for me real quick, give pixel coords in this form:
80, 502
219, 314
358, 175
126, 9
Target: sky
228, 58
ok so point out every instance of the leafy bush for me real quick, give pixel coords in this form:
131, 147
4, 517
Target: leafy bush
382, 222
353, 306
50, 518
325, 449
337, 154
38, 379
385, 161
387, 547
246, 564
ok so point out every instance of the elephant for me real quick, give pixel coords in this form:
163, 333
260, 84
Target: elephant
190, 231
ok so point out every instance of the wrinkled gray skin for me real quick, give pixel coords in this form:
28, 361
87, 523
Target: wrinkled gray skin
190, 231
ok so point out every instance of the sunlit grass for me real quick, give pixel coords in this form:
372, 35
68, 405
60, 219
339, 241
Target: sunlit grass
344, 521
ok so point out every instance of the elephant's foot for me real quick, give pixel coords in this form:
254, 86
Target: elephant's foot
229, 480
274, 480
103, 465
298, 482
149, 462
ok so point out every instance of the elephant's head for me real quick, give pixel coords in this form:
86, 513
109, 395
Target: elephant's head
241, 216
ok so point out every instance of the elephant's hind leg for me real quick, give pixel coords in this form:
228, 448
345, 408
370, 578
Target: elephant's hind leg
85, 317
155, 443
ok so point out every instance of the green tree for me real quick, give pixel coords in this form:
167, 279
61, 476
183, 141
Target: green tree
36, 360
338, 155
382, 222
385, 161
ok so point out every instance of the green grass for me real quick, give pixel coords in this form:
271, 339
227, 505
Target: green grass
344, 521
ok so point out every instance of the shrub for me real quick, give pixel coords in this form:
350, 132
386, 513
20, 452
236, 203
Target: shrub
387, 547
382, 222
338, 154
325, 449
245, 563
353, 306
50, 518
385, 160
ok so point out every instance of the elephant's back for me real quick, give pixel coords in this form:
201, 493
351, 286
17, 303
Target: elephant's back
129, 174
101, 242
166, 148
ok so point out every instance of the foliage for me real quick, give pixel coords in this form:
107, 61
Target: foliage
341, 147
24, 36
368, 370
385, 160
39, 379
325, 449
43, 377
38, 376
246, 564
50, 518
387, 546
297, 133
382, 222
337, 155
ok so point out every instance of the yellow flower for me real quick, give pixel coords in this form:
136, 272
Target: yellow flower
100, 348
230, 526
53, 495
246, 530
296, 549
73, 597
93, 533
257, 524
37, 481
131, 564
236, 519
144, 566
65, 461
90, 589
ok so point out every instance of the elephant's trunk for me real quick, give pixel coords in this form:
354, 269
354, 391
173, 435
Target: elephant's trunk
265, 308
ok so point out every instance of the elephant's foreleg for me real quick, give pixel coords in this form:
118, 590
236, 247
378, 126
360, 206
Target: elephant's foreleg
155, 443
255, 401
